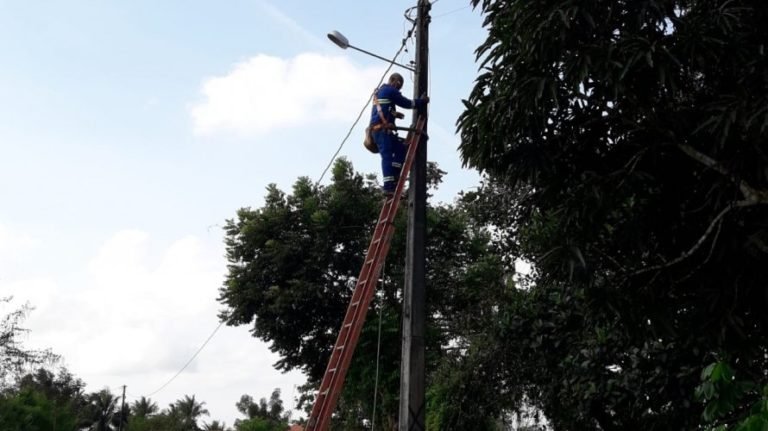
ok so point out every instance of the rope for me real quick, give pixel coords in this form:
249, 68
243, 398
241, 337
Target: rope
378, 354
362, 111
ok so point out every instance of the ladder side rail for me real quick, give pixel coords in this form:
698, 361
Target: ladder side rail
363, 283
326, 383
415, 138
352, 333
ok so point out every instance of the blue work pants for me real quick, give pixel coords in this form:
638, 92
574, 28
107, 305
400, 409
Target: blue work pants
392, 150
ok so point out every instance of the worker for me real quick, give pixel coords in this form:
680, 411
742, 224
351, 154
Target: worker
391, 146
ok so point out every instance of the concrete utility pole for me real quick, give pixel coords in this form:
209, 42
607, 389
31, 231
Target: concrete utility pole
411, 416
122, 411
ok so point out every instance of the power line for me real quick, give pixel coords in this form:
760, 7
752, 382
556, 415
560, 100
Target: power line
188, 362
450, 12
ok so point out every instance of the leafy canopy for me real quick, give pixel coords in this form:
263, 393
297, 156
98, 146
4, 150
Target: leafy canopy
630, 139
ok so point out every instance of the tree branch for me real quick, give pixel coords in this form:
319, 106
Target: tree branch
751, 194
696, 246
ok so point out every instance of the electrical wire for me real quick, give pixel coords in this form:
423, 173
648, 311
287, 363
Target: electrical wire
188, 362
452, 11
365, 107
378, 352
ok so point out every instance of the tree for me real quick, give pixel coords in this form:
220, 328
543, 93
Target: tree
264, 415
188, 411
215, 426
31, 410
14, 358
102, 406
144, 407
629, 139
163, 421
293, 265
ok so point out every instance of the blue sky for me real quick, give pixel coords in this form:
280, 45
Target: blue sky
129, 131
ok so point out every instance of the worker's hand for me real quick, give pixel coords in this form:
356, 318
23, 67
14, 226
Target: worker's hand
425, 99
399, 115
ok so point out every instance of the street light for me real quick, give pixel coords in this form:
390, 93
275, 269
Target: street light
342, 42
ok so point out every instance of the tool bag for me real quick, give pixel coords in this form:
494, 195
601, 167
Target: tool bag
368, 141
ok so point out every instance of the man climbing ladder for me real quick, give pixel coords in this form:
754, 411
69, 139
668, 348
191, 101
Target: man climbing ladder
383, 115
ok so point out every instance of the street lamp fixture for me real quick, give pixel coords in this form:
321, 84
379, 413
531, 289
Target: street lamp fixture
342, 42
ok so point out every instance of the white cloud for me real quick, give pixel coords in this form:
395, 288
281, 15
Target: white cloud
37, 292
266, 93
136, 311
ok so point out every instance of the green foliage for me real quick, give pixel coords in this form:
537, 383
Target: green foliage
258, 424
215, 426
101, 409
30, 410
293, 267
262, 416
160, 422
187, 411
44, 400
722, 393
47, 401
628, 139
144, 407
297, 257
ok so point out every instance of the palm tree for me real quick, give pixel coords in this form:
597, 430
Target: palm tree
215, 426
102, 406
188, 411
144, 407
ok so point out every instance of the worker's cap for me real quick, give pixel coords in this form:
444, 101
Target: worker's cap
396, 77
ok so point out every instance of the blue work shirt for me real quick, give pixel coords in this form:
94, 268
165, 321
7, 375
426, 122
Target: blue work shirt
390, 96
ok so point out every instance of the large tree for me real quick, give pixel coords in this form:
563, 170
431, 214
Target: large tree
294, 263
629, 138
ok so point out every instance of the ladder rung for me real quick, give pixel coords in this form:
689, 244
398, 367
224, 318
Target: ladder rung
347, 325
340, 348
332, 370
355, 304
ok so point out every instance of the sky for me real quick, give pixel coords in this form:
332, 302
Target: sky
129, 133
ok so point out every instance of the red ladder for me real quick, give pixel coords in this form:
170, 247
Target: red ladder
341, 356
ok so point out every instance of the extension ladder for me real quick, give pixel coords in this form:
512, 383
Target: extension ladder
341, 356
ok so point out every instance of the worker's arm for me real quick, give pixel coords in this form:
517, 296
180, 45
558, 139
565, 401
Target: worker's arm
405, 102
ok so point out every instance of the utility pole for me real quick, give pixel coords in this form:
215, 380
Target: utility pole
412, 415
122, 412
